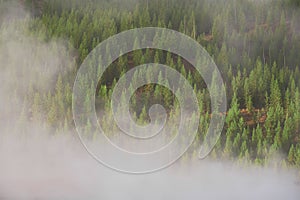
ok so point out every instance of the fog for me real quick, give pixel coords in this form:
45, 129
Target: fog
37, 164
44, 167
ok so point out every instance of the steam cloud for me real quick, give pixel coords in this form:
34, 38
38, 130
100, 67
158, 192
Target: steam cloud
37, 165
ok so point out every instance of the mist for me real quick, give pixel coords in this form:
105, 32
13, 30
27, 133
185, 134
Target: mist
44, 167
37, 164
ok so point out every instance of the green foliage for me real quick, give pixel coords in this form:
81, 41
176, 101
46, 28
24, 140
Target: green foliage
256, 49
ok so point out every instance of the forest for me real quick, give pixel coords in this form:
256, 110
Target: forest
255, 45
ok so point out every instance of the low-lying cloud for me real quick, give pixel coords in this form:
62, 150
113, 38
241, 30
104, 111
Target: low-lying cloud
57, 167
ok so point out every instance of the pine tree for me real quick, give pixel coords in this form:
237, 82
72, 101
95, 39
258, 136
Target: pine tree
291, 155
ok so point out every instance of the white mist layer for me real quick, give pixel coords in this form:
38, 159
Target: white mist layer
58, 167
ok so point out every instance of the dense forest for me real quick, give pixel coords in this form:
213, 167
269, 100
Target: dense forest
255, 44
